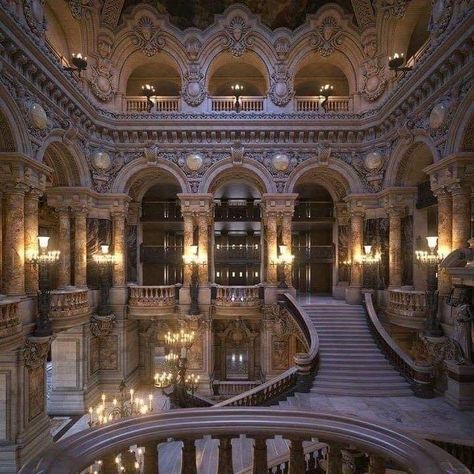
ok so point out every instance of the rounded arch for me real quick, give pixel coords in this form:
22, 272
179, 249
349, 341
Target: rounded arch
13, 131
138, 176
249, 69
163, 76
409, 157
226, 170
67, 162
314, 74
338, 178
461, 131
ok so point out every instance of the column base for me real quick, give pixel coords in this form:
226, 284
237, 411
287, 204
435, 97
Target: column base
460, 392
339, 290
354, 295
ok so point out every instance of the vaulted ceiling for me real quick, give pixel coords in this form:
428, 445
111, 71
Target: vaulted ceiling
200, 13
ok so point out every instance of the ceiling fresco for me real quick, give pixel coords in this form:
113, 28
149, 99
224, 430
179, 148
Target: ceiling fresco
274, 13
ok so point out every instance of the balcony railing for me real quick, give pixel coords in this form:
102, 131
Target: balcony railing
10, 323
161, 211
315, 252
249, 296
146, 301
313, 104
233, 252
407, 308
69, 307
312, 210
160, 104
81, 450
227, 104
224, 212
161, 254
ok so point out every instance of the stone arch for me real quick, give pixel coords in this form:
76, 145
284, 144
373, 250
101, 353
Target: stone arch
461, 131
66, 160
226, 170
140, 175
13, 132
339, 179
403, 155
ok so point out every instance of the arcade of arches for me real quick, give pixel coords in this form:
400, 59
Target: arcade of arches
286, 229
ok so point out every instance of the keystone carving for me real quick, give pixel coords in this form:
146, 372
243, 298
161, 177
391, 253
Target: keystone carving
148, 37
237, 36
328, 36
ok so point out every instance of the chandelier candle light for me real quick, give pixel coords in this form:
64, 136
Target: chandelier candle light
149, 91
105, 262
326, 91
395, 63
237, 90
43, 259
284, 260
193, 259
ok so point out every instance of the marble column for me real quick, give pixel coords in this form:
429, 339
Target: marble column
271, 251
64, 244
203, 245
1, 241
260, 456
445, 236
297, 461
31, 240
357, 240
287, 240
14, 241
118, 229
80, 247
395, 248
461, 215
188, 240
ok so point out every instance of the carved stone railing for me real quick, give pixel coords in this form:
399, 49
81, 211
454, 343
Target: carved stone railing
160, 104
419, 376
238, 296
296, 378
146, 301
407, 308
313, 104
80, 451
10, 323
69, 307
227, 104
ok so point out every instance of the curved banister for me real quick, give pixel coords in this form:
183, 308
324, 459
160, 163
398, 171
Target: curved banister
420, 376
80, 450
305, 363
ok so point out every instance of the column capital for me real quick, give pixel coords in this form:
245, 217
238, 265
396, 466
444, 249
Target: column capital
79, 211
34, 193
11, 187
442, 193
36, 351
280, 203
456, 168
457, 188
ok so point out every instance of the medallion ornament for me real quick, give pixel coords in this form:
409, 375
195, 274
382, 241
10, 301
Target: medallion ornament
328, 36
237, 36
148, 37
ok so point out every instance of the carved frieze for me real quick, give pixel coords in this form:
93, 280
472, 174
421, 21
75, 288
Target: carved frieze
193, 90
281, 89
34, 16
237, 36
441, 14
102, 73
328, 36
109, 352
36, 392
79, 8
36, 351
148, 36
102, 326
373, 69
396, 8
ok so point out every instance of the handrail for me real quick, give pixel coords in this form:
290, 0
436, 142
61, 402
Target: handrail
305, 364
419, 376
80, 450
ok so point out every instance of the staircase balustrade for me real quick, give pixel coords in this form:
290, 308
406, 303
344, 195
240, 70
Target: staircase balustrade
10, 322
407, 307
81, 450
419, 376
68, 307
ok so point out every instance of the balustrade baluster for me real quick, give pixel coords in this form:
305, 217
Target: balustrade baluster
189, 457
225, 455
259, 455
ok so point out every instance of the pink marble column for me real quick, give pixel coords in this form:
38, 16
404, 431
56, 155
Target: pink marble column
461, 215
64, 271
80, 247
118, 227
445, 236
1, 241
31, 240
271, 234
203, 230
395, 248
14, 241
188, 240
357, 239
287, 240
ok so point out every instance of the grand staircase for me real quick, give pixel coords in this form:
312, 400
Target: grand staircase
351, 364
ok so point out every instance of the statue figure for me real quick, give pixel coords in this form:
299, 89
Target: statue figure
463, 325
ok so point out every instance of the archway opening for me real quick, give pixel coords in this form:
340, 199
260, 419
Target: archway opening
162, 76
237, 233
240, 72
311, 77
313, 248
160, 259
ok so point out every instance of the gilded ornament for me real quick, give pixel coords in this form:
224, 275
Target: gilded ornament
194, 161
281, 162
101, 160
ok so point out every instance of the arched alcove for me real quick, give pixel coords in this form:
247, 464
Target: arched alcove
312, 76
65, 169
163, 76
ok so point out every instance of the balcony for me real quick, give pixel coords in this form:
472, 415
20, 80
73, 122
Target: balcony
10, 324
407, 308
237, 252
145, 302
160, 211
313, 104
161, 254
69, 307
313, 210
233, 301
139, 104
227, 104
313, 253
228, 212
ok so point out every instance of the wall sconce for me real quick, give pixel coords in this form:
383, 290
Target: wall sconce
395, 63
148, 91
80, 63
237, 90
368, 258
